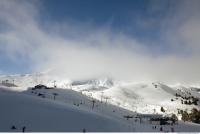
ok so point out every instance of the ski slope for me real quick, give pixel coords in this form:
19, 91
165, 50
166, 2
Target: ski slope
144, 97
45, 115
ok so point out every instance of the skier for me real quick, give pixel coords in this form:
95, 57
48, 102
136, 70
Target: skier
172, 129
161, 129
84, 130
23, 129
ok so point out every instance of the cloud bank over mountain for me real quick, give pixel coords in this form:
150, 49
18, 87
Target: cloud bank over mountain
79, 51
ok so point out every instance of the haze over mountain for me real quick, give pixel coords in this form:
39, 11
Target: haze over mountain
132, 40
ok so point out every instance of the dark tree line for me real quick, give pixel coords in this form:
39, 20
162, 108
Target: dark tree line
190, 100
193, 116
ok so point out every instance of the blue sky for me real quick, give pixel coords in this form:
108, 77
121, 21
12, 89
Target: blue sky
140, 19
120, 15
89, 38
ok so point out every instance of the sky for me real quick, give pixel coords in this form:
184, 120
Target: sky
135, 40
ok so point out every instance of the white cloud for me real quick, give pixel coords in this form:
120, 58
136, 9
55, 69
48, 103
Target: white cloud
98, 52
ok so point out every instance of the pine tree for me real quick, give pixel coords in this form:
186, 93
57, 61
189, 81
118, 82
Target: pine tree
162, 109
185, 116
174, 117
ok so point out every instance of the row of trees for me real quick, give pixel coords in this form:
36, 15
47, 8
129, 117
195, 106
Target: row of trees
190, 102
187, 100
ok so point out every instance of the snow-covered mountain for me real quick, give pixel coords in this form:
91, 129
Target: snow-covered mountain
93, 85
148, 97
139, 97
144, 97
127, 98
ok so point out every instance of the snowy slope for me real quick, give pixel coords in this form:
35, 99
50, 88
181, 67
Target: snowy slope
146, 97
44, 115
81, 101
